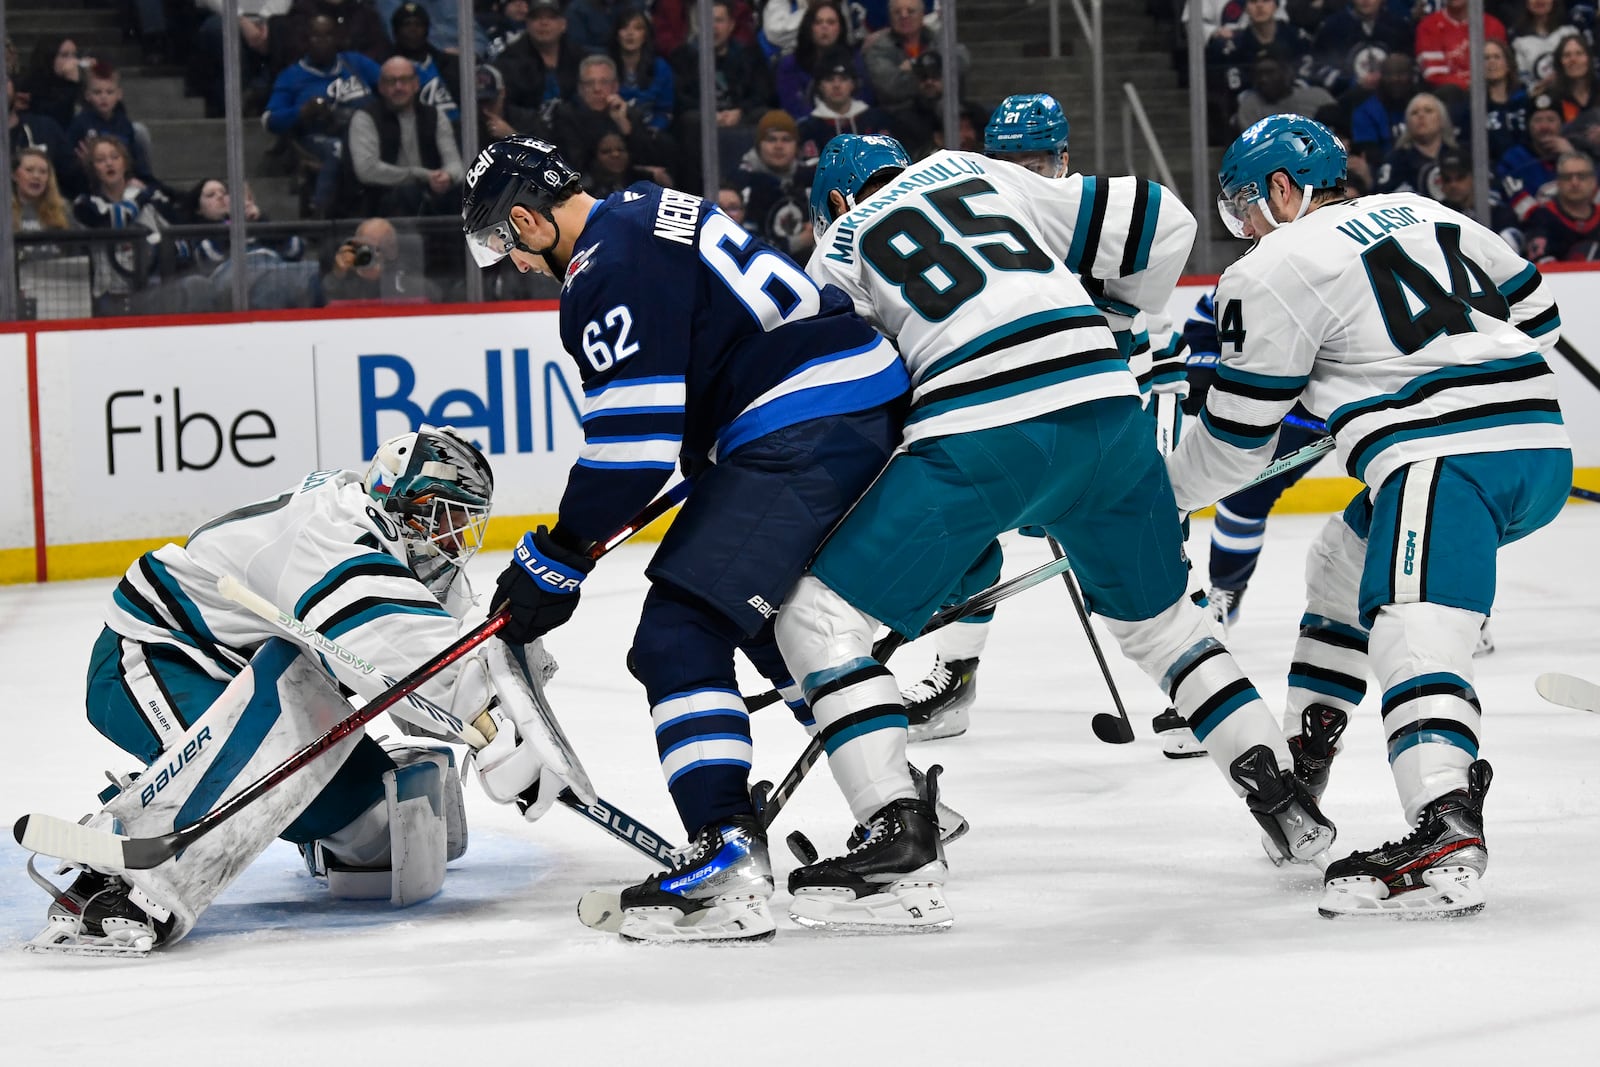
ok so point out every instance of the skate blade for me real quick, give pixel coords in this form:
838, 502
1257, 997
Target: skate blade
66, 941
906, 906
726, 920
1447, 892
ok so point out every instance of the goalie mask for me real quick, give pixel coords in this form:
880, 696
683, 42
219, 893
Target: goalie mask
438, 488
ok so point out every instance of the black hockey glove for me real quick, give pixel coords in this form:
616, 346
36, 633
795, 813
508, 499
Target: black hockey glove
539, 586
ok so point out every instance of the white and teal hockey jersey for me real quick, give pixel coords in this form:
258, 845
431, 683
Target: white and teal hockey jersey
1411, 330
321, 551
970, 265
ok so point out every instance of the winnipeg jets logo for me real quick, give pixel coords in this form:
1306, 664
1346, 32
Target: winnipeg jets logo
630, 196
579, 264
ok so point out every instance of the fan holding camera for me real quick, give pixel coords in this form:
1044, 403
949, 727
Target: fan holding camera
368, 267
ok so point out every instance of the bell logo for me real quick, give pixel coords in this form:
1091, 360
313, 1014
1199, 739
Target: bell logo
484, 161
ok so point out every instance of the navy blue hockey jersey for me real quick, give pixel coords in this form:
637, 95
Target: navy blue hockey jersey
693, 338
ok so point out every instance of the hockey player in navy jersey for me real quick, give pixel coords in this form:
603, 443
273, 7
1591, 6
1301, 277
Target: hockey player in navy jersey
699, 347
1418, 336
209, 697
1024, 412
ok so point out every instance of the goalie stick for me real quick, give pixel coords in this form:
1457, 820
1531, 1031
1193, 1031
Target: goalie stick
64, 839
1569, 691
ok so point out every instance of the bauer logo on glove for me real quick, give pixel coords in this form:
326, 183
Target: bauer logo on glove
541, 571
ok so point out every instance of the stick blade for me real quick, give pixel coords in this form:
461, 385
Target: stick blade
49, 835
1569, 691
1112, 729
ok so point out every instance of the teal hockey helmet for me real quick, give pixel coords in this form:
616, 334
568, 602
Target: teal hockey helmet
1304, 149
847, 163
1027, 122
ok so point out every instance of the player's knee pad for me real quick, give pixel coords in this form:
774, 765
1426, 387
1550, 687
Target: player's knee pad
818, 629
1333, 572
399, 847
681, 643
1156, 644
278, 704
1422, 655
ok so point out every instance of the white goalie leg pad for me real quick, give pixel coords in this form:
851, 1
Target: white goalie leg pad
398, 848
1422, 655
827, 645
277, 705
1178, 650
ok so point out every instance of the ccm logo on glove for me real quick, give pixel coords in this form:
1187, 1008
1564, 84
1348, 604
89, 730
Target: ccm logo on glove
540, 570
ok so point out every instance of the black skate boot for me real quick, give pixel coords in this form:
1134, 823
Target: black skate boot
1316, 745
952, 824
938, 705
98, 915
892, 880
718, 891
1295, 827
1434, 871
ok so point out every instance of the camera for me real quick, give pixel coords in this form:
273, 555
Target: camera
365, 256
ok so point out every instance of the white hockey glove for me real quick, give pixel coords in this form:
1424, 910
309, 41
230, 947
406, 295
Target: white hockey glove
511, 770
528, 760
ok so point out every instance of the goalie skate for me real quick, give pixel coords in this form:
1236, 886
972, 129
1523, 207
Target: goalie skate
97, 915
892, 881
1436, 871
1177, 740
940, 704
717, 892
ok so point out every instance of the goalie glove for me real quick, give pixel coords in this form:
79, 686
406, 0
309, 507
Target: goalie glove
511, 771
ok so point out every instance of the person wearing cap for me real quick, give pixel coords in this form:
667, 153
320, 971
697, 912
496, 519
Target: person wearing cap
1527, 173
578, 125
775, 184
496, 118
1450, 182
358, 27
443, 30
918, 121
836, 108
1567, 226
889, 56
541, 65
437, 71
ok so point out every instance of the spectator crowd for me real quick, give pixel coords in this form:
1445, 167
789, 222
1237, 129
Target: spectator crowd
361, 96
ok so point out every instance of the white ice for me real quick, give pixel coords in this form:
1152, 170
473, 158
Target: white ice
1110, 904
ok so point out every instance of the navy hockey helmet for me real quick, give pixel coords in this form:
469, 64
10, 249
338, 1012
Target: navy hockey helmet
438, 488
1304, 149
515, 171
1027, 122
847, 163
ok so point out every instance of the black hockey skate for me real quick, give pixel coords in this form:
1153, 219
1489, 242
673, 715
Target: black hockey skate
97, 915
892, 880
938, 706
1285, 808
1316, 744
718, 891
1434, 871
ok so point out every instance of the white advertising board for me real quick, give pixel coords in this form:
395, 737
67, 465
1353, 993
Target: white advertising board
16, 477
501, 378
147, 432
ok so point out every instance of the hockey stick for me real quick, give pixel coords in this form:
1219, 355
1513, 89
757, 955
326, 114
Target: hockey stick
53, 836
1569, 691
1580, 493
1579, 363
1112, 729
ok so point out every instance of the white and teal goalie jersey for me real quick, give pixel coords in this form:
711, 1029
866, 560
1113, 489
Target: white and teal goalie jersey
1411, 330
321, 551
971, 266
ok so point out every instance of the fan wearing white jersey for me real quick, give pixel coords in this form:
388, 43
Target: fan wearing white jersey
1419, 338
209, 696
1024, 412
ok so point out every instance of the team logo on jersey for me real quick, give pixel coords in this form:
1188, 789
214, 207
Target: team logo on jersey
630, 196
580, 263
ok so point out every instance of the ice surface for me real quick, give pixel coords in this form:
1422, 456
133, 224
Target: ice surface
1111, 905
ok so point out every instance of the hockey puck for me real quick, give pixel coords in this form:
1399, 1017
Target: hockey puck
803, 849
601, 909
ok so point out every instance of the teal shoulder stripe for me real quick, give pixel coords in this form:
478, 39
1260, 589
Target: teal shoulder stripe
1262, 381
1488, 422
1415, 385
1519, 281
1147, 234
361, 618
381, 560
1080, 231
1000, 333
